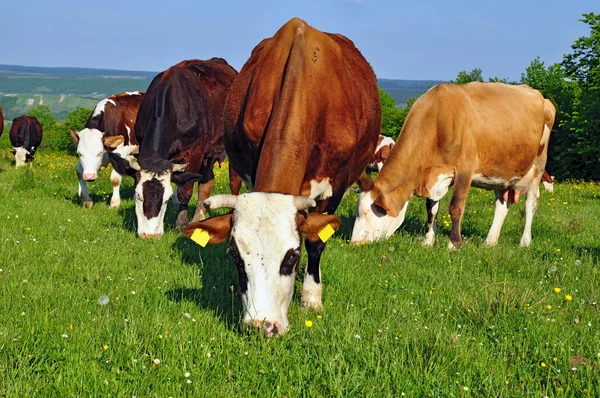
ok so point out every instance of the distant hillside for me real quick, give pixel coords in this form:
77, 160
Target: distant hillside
65, 89
403, 90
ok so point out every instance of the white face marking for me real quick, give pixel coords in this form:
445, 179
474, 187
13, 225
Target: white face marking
264, 230
371, 225
20, 156
549, 186
320, 190
100, 106
132, 92
90, 150
153, 225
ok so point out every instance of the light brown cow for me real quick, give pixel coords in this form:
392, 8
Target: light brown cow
301, 123
486, 135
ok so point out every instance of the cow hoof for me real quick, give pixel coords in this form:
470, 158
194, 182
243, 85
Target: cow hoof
525, 242
311, 304
428, 242
88, 204
490, 243
115, 203
452, 247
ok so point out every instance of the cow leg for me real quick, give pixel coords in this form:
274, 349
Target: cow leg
184, 194
203, 194
500, 213
531, 205
83, 192
115, 180
432, 209
235, 181
311, 287
462, 183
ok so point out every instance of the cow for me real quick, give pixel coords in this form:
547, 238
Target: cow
301, 124
382, 152
109, 127
548, 181
1, 121
180, 126
486, 135
25, 136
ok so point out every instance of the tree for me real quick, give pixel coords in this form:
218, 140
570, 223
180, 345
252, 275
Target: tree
467, 77
583, 66
75, 120
392, 116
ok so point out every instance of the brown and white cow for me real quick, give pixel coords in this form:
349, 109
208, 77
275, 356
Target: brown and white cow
180, 127
382, 152
301, 124
486, 135
548, 181
25, 136
110, 126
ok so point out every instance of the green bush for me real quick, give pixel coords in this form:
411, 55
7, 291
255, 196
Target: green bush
62, 141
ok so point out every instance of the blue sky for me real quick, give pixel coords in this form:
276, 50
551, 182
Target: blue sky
401, 39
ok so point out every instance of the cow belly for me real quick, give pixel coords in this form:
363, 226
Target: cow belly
486, 182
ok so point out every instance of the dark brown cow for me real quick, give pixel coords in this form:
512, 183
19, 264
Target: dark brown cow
25, 136
180, 126
110, 126
301, 123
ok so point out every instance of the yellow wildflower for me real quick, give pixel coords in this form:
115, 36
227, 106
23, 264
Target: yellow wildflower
308, 324
568, 297
557, 290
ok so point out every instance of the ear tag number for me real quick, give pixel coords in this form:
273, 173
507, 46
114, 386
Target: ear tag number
201, 237
326, 233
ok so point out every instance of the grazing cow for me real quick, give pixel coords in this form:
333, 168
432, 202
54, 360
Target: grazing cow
1, 121
548, 181
301, 124
382, 152
25, 136
180, 126
109, 127
486, 135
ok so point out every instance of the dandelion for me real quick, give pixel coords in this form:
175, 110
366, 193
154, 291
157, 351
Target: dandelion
391, 248
103, 300
558, 250
156, 361
557, 290
319, 317
188, 381
209, 355
187, 374
465, 388
105, 347
308, 324
568, 297
554, 359
543, 364
552, 269
549, 307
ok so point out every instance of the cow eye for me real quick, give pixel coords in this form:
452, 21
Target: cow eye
290, 261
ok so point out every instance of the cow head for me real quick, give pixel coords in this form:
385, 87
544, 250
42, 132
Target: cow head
91, 151
378, 214
21, 156
266, 231
153, 190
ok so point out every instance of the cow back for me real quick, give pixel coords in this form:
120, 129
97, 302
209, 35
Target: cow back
304, 107
26, 132
181, 113
117, 116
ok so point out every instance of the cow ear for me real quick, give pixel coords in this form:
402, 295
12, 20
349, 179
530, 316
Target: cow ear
365, 183
218, 228
74, 135
385, 152
183, 179
111, 143
314, 223
122, 166
381, 203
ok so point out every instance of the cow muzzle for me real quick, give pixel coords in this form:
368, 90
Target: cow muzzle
270, 329
90, 176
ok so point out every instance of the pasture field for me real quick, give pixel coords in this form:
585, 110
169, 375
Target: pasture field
88, 309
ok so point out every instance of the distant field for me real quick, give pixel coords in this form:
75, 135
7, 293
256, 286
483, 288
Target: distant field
17, 104
399, 319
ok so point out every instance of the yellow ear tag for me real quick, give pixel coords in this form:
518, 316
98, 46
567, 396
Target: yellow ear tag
201, 237
326, 233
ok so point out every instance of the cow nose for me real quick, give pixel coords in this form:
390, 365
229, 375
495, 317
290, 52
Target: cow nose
144, 235
90, 176
269, 328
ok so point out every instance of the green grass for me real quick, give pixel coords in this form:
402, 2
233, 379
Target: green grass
398, 318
